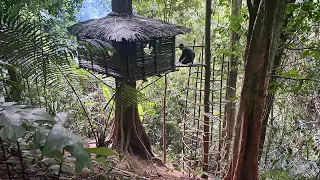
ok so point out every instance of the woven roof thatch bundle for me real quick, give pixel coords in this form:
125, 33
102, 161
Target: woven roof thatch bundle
115, 27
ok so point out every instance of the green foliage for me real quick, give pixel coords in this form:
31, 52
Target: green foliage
17, 121
37, 61
34, 53
106, 92
153, 115
60, 138
31, 46
129, 95
6, 66
140, 111
45, 133
315, 53
58, 8
37, 54
276, 175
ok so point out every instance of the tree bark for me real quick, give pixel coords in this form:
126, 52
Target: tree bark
270, 97
15, 93
122, 6
206, 135
128, 133
228, 124
266, 18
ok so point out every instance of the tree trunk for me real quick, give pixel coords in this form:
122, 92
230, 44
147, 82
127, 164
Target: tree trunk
270, 97
228, 124
267, 17
128, 133
122, 6
15, 93
206, 135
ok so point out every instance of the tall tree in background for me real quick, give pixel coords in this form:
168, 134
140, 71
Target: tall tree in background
265, 22
271, 94
299, 16
206, 135
228, 123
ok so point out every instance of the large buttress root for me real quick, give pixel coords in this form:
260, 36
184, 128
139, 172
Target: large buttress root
128, 133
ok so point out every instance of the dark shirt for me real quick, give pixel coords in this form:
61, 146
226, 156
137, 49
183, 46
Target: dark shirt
187, 55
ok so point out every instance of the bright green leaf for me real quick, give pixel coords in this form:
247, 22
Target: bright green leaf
82, 157
106, 92
140, 111
100, 159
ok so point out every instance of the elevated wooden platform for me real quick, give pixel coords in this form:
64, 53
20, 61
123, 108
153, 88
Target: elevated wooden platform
94, 67
179, 65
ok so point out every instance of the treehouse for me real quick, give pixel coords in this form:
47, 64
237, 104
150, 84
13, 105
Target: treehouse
144, 47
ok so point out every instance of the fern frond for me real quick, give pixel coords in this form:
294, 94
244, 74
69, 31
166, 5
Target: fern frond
36, 54
129, 95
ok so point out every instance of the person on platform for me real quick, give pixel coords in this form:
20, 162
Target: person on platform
187, 55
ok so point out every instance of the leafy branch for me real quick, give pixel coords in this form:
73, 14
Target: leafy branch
296, 79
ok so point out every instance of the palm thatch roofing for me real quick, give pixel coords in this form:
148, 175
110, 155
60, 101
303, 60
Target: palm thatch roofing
115, 27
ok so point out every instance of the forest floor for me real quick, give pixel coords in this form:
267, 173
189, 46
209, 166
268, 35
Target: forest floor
41, 168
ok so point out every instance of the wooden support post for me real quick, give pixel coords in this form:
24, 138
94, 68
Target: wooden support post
155, 56
143, 61
164, 134
173, 54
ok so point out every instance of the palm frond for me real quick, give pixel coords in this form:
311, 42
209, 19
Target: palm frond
36, 54
129, 95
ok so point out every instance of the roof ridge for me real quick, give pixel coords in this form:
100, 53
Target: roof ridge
116, 27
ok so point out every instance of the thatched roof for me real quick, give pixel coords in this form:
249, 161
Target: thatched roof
116, 27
